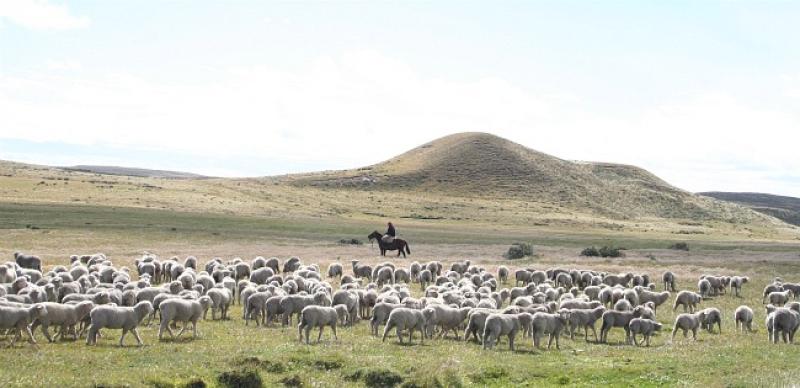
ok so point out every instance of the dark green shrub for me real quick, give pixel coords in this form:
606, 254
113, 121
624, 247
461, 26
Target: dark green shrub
590, 252
605, 251
293, 381
382, 378
680, 246
350, 241
519, 250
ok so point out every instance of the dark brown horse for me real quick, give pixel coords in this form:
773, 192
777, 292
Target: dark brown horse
398, 244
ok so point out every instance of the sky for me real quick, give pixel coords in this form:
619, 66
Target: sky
705, 94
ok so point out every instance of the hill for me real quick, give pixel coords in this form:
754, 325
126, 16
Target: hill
781, 207
132, 171
464, 181
484, 165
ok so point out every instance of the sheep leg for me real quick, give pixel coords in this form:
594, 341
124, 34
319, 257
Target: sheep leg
121, 339
399, 335
334, 332
511, 341
46, 332
185, 324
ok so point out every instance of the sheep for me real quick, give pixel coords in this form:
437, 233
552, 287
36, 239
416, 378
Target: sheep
669, 281
645, 327
784, 322
658, 298
272, 309
687, 299
7, 274
623, 305
413, 270
317, 316
182, 310
401, 275
28, 261
743, 316
583, 318
112, 317
710, 316
384, 275
255, 307
361, 271
704, 287
447, 318
779, 298
403, 318
645, 311
221, 299
20, 319
613, 319
613, 280
62, 315
460, 267
552, 324
291, 264
564, 280
502, 274
523, 276
770, 288
425, 278
686, 322
736, 284
476, 322
380, 313
497, 325
351, 301
795, 287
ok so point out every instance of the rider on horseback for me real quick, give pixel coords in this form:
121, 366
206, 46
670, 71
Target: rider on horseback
390, 234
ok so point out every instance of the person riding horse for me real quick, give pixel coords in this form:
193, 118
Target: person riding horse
390, 234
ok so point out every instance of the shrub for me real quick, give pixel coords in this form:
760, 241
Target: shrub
242, 378
350, 241
293, 381
382, 378
681, 246
519, 250
605, 251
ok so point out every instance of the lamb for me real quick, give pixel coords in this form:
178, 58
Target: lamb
403, 318
221, 299
335, 270
736, 284
380, 313
255, 307
28, 261
669, 281
112, 317
522, 276
704, 287
182, 310
384, 275
779, 298
784, 322
687, 299
361, 271
687, 322
645, 327
447, 318
401, 275
351, 301
414, 269
710, 316
425, 278
502, 274
552, 324
272, 308
317, 316
613, 319
613, 280
63, 315
497, 325
294, 304
582, 318
770, 288
658, 298
743, 316
476, 322
20, 319
795, 287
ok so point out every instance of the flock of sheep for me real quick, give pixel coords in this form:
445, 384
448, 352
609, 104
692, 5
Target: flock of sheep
90, 295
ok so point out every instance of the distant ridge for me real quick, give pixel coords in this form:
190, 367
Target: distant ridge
132, 171
782, 207
485, 165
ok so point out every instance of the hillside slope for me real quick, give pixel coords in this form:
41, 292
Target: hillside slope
132, 171
781, 207
487, 166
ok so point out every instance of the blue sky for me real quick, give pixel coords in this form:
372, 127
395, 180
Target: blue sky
704, 94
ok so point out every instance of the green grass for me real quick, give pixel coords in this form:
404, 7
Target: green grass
356, 359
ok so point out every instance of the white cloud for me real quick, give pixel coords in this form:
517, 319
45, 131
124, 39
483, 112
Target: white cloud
363, 107
40, 15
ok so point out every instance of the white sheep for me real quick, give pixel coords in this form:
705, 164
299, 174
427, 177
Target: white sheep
446, 318
585, 319
20, 319
221, 299
497, 325
669, 281
317, 316
112, 317
785, 323
405, 319
687, 299
182, 310
613, 319
779, 298
686, 322
743, 316
551, 324
65, 316
645, 327
380, 314
736, 284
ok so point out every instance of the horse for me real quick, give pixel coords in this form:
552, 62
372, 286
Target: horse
398, 244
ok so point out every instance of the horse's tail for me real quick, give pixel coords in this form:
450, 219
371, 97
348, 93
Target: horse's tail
408, 250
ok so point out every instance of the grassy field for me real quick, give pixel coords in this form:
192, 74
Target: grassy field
356, 359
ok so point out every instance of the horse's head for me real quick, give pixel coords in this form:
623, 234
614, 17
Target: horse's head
374, 235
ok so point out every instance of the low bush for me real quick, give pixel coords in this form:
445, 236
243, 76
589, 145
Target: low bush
241, 378
519, 250
605, 251
680, 246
